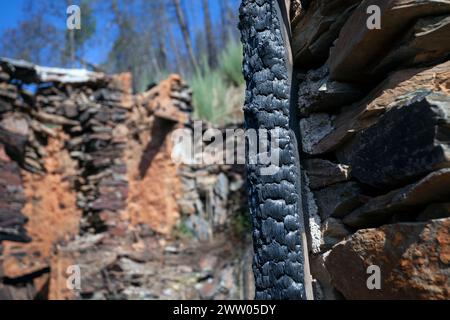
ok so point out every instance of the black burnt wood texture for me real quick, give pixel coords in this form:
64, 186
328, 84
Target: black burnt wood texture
274, 200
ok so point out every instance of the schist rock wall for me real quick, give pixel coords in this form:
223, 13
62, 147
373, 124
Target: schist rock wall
374, 115
87, 181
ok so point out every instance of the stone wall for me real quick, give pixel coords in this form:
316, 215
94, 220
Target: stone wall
374, 110
87, 180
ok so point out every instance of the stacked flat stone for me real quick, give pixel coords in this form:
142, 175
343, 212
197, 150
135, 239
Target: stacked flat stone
12, 197
374, 113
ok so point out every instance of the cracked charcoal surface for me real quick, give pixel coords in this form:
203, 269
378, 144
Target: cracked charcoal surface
274, 199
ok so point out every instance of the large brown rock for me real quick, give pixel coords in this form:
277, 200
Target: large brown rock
367, 112
333, 231
425, 42
317, 93
435, 211
409, 141
358, 47
434, 187
414, 262
339, 199
315, 30
322, 173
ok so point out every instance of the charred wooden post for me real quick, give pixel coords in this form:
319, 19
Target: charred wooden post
280, 267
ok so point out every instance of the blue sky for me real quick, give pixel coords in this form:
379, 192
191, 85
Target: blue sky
11, 13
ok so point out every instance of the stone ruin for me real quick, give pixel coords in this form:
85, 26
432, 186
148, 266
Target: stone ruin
87, 181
